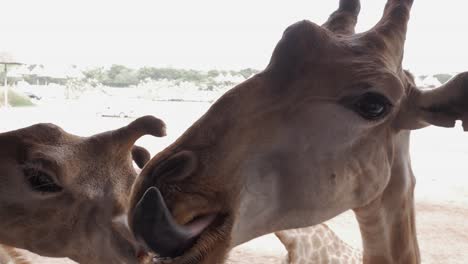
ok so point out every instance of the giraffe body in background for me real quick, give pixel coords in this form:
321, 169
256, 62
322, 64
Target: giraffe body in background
317, 245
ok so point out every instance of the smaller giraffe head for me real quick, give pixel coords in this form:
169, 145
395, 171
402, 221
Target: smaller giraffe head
62, 195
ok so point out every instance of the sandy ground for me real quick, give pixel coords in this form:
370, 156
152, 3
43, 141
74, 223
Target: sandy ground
440, 162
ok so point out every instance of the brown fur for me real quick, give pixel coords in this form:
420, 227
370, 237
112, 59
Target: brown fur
288, 149
95, 174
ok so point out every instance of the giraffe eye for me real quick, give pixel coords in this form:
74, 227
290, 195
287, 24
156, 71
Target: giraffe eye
40, 181
372, 106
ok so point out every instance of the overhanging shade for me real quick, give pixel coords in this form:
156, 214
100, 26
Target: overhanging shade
7, 60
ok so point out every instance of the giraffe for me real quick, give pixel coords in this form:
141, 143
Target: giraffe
317, 245
13, 255
325, 128
62, 195
5, 257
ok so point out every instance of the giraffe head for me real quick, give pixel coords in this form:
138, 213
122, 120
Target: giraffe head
320, 131
62, 195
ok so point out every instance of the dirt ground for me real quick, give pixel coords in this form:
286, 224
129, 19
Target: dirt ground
439, 157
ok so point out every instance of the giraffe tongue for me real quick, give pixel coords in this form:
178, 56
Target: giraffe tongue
154, 226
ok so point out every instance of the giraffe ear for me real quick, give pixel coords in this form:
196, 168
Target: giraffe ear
140, 155
442, 106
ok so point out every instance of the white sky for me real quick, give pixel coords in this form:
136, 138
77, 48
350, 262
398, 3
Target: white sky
207, 34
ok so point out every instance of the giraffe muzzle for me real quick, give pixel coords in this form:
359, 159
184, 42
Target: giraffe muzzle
154, 226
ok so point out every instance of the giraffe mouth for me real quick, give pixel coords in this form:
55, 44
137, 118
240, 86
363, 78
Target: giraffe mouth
156, 229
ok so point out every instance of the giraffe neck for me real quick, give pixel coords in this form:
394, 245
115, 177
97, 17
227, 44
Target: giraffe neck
388, 238
387, 224
10, 255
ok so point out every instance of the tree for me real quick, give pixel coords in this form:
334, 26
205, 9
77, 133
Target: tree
98, 74
248, 72
443, 77
213, 73
120, 76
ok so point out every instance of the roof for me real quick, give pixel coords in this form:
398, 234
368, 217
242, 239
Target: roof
8, 58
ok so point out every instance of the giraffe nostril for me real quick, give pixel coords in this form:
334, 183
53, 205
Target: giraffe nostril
176, 168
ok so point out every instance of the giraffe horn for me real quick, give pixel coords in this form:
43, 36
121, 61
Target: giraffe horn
343, 20
389, 34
